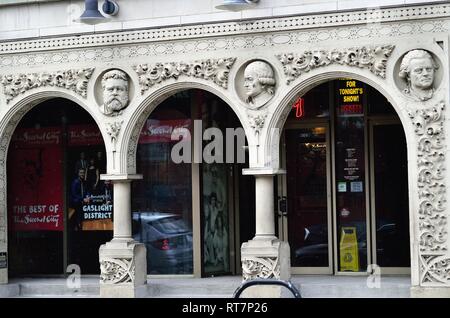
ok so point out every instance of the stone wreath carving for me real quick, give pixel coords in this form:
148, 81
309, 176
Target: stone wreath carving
215, 70
260, 267
429, 129
372, 58
74, 80
117, 271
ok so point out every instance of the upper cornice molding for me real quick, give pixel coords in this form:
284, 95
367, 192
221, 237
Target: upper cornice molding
230, 28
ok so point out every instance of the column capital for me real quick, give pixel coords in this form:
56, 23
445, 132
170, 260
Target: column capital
262, 171
122, 177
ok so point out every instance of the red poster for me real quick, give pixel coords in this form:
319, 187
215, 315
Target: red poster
161, 130
84, 135
31, 138
36, 181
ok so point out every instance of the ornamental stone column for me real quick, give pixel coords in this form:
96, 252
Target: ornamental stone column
123, 261
265, 256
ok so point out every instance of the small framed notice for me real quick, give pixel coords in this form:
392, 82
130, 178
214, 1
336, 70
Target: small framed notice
356, 186
342, 186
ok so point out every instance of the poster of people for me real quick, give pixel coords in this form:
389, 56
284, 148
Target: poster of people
36, 200
90, 198
215, 209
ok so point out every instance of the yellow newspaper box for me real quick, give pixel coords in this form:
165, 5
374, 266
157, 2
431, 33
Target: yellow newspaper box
349, 250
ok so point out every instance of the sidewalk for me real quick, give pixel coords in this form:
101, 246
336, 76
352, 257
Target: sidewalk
310, 286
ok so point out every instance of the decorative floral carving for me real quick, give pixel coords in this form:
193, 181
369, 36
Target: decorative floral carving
441, 270
5, 139
435, 270
257, 122
260, 267
372, 58
132, 145
117, 271
215, 70
113, 130
74, 80
429, 129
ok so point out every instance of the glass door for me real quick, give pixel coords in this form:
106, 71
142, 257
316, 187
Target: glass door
389, 193
304, 199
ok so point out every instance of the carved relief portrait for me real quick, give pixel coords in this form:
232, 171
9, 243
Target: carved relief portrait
418, 69
115, 92
259, 83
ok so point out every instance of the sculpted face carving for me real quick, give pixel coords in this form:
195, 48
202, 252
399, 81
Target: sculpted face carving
259, 81
115, 92
418, 69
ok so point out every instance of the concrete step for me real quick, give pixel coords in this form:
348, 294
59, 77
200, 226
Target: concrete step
9, 290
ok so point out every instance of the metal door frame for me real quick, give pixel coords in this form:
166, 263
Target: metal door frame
282, 192
373, 240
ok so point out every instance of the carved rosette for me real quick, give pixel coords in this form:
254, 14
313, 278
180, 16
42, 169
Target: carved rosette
117, 271
372, 58
429, 129
215, 70
73, 80
260, 267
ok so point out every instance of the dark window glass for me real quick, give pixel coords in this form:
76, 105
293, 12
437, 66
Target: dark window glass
307, 195
44, 219
314, 104
162, 201
378, 104
391, 196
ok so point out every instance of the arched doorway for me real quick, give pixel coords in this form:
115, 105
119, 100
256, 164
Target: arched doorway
58, 212
191, 212
345, 194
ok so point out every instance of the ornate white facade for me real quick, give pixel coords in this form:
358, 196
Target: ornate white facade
303, 50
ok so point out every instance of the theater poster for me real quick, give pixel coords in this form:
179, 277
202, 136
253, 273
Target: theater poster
97, 209
35, 185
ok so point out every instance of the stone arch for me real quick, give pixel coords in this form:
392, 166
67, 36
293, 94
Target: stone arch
282, 111
398, 103
8, 124
146, 107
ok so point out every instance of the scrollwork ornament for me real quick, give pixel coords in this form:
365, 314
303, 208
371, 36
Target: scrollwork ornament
432, 215
215, 70
117, 271
260, 267
372, 58
73, 80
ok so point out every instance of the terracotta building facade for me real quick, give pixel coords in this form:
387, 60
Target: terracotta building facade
344, 113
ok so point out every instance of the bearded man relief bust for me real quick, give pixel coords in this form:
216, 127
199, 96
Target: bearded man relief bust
115, 92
